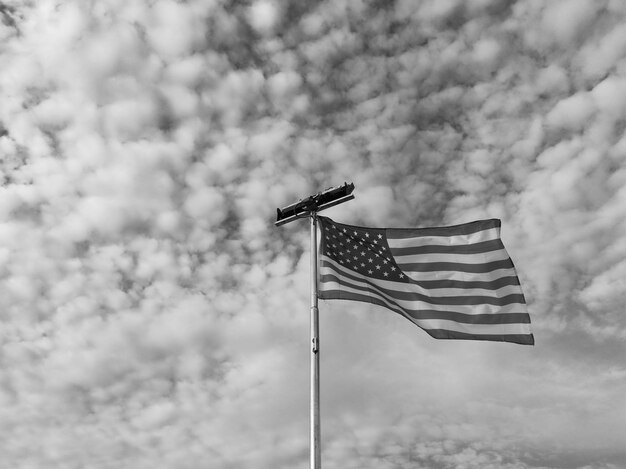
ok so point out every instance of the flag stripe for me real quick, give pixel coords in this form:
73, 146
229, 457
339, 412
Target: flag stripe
493, 292
522, 339
396, 242
498, 293
493, 284
445, 231
455, 266
430, 276
477, 258
479, 329
475, 248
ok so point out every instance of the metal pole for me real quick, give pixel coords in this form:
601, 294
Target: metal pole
312, 205
315, 429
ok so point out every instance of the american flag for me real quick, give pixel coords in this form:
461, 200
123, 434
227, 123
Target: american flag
455, 282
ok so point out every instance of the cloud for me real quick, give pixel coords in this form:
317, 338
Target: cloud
569, 20
573, 112
599, 58
264, 16
172, 30
153, 315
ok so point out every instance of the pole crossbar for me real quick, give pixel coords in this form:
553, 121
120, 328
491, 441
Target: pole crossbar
301, 209
314, 203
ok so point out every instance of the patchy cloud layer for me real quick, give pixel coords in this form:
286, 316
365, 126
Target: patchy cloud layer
152, 316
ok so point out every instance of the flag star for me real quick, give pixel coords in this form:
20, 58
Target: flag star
355, 233
393, 268
377, 267
370, 260
362, 264
345, 231
385, 261
401, 275
385, 274
370, 272
355, 257
375, 242
334, 245
376, 254
380, 236
367, 235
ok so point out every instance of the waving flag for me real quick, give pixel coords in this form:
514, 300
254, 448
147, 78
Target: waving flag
455, 282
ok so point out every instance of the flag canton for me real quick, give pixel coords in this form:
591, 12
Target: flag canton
362, 250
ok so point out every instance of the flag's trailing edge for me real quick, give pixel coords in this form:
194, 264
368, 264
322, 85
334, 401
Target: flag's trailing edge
455, 282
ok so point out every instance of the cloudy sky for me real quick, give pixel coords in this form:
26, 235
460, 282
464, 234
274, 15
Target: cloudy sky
152, 316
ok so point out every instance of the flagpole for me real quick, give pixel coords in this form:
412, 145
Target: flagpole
296, 211
315, 425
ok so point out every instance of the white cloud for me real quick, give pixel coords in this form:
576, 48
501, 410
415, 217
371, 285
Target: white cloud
238, 94
153, 315
206, 205
573, 112
599, 58
264, 16
486, 53
172, 28
552, 80
568, 20
610, 96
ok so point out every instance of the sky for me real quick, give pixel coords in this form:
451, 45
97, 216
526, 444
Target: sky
152, 315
